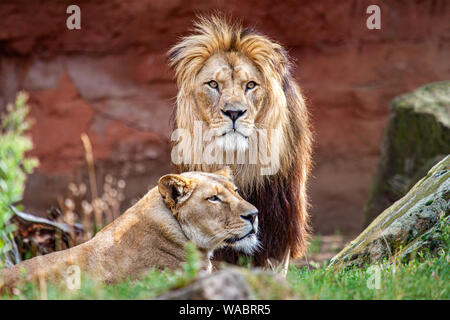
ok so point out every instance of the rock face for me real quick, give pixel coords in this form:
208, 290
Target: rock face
418, 221
417, 136
110, 79
233, 284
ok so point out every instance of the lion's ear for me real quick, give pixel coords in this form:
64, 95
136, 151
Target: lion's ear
175, 189
226, 172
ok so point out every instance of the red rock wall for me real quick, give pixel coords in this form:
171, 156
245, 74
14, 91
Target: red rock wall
110, 79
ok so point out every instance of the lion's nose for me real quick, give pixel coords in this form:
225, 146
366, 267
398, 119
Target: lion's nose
250, 216
233, 114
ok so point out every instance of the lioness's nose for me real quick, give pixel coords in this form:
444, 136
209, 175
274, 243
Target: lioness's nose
233, 114
250, 216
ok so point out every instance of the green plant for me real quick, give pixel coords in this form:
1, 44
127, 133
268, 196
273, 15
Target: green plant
13, 169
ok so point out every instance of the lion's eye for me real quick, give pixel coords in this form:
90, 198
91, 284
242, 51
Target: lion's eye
213, 84
250, 85
214, 199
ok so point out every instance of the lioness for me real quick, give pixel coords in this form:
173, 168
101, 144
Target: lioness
200, 207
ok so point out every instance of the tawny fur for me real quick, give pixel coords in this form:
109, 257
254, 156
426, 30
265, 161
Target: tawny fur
280, 198
152, 233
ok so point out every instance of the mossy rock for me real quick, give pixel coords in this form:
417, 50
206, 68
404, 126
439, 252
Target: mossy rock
417, 136
234, 283
417, 222
267, 285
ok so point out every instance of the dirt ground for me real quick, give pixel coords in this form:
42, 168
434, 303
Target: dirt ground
322, 248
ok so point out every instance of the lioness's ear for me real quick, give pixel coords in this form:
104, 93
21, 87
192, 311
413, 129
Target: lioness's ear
174, 189
225, 171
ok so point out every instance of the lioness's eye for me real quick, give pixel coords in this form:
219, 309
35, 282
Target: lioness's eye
250, 85
214, 198
213, 84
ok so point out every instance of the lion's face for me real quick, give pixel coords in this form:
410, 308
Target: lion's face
237, 83
210, 210
230, 92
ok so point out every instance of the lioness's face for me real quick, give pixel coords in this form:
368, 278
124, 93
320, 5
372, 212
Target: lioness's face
229, 93
210, 210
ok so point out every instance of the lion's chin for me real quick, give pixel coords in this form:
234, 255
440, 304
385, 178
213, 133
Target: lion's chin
232, 141
247, 245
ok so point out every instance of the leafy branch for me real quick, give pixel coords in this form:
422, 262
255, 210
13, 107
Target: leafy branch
14, 166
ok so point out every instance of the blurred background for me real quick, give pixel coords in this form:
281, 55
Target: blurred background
110, 81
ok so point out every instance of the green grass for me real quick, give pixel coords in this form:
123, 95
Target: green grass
427, 279
315, 245
423, 278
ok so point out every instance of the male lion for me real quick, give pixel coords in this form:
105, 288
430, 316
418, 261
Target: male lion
235, 84
200, 207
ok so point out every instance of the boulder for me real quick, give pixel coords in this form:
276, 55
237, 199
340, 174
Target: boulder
417, 222
417, 136
233, 283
